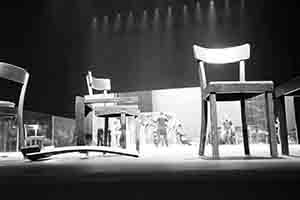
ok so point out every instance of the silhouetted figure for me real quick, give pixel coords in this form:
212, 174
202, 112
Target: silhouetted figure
277, 129
122, 141
88, 139
109, 138
228, 137
181, 138
100, 135
162, 128
156, 139
116, 134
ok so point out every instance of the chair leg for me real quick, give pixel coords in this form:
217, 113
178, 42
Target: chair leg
137, 135
79, 120
245, 127
280, 105
94, 127
271, 123
123, 131
106, 128
203, 127
214, 121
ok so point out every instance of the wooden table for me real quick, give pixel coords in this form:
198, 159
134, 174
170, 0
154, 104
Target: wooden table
121, 108
289, 88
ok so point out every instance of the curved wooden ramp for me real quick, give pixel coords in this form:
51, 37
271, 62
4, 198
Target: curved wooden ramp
60, 150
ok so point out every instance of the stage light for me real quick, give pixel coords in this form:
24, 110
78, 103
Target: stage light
198, 12
156, 20
227, 9
129, 24
117, 23
169, 20
94, 23
144, 20
212, 22
212, 3
169, 10
105, 24
185, 14
156, 14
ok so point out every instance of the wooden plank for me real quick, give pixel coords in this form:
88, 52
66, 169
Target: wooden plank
203, 130
61, 150
90, 99
222, 55
288, 88
202, 76
79, 120
242, 71
110, 110
280, 105
271, 123
223, 87
214, 124
244, 127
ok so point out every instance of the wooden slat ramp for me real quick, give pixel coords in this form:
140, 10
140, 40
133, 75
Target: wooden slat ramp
60, 150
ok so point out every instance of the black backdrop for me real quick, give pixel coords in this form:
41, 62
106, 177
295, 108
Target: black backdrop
57, 41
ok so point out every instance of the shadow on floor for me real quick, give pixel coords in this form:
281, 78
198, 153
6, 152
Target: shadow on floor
241, 158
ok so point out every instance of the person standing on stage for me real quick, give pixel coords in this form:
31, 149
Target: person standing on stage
162, 128
100, 138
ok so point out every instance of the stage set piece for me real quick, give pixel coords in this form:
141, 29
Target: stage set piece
8, 109
104, 105
289, 88
35, 156
231, 91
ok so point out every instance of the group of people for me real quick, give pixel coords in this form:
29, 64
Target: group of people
160, 135
110, 138
103, 139
228, 134
114, 137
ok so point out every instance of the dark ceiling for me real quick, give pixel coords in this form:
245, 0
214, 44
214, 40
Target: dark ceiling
57, 41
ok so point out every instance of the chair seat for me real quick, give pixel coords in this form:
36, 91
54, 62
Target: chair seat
289, 88
235, 89
116, 110
109, 99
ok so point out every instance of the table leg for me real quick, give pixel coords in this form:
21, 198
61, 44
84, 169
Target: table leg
123, 129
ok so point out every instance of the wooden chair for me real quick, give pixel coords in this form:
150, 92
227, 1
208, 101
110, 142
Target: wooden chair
33, 139
231, 91
289, 88
104, 105
8, 110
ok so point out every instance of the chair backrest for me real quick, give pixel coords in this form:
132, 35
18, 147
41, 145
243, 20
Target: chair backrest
19, 75
99, 84
221, 56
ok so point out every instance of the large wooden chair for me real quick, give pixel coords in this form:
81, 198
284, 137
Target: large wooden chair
8, 110
106, 105
231, 91
288, 88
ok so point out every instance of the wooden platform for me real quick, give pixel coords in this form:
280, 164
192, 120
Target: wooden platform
60, 150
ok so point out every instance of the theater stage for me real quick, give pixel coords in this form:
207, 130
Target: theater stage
175, 160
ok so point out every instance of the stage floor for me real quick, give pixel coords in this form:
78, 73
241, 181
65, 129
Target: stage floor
176, 160
175, 151
159, 173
